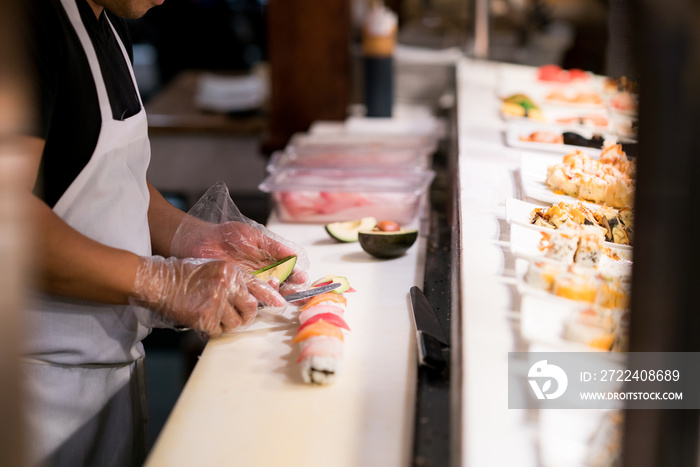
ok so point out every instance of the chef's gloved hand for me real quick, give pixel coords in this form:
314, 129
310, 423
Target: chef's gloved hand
238, 242
214, 228
208, 296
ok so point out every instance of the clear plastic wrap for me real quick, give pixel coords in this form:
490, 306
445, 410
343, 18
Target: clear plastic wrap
214, 228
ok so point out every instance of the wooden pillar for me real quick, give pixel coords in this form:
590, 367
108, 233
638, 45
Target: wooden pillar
309, 47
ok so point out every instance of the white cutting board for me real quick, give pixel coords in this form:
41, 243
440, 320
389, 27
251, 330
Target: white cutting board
245, 403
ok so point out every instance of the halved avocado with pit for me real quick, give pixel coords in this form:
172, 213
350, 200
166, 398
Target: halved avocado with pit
346, 231
387, 244
280, 270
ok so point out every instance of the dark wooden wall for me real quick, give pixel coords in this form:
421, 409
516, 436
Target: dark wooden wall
309, 52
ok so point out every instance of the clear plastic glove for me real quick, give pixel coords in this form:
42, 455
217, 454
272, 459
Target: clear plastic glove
214, 228
237, 242
208, 296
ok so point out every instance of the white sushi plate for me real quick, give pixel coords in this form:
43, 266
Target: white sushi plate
517, 129
246, 400
525, 289
533, 175
552, 116
520, 212
542, 321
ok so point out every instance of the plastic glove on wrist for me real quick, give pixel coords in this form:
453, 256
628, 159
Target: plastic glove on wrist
208, 296
234, 241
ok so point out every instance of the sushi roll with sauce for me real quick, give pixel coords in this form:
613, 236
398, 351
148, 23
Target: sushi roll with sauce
560, 246
607, 180
626, 216
590, 246
577, 287
615, 229
591, 327
593, 188
541, 274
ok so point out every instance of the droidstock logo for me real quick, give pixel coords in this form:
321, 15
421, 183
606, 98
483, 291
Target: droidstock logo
541, 371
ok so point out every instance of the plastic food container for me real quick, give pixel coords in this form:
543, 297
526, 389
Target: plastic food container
328, 195
352, 158
340, 141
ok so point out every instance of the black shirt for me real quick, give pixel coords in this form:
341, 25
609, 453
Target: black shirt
68, 108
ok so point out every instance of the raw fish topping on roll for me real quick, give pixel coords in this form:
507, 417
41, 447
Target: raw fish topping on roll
320, 335
318, 309
328, 298
321, 346
331, 318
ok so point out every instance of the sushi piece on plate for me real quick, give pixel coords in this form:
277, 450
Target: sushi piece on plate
576, 287
590, 246
560, 246
541, 274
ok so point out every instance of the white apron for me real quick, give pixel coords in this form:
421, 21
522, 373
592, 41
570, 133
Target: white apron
85, 384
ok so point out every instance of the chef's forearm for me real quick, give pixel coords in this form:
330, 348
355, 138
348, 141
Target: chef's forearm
163, 220
72, 265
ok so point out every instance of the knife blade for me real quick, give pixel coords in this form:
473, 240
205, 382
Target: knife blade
431, 337
311, 292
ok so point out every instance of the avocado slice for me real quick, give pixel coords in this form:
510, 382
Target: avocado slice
387, 244
344, 283
280, 270
346, 231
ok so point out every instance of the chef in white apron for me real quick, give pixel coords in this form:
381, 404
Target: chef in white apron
93, 353
85, 385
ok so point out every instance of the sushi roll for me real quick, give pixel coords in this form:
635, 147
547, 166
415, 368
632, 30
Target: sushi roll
590, 327
613, 292
562, 182
320, 359
320, 337
541, 274
593, 188
615, 229
626, 216
590, 246
620, 193
575, 287
560, 246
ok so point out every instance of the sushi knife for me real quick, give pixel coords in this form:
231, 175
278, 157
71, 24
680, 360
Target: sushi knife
293, 297
311, 292
431, 338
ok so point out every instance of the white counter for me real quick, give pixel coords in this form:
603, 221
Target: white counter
492, 434
245, 403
